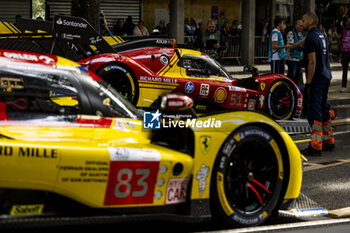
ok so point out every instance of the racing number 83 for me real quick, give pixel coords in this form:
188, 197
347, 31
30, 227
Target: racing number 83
123, 188
131, 182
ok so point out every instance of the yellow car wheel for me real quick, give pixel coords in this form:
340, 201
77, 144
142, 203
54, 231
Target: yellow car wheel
122, 79
247, 178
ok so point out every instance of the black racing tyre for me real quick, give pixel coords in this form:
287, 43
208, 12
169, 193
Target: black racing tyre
122, 79
247, 177
281, 100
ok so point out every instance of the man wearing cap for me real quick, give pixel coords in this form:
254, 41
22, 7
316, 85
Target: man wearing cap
162, 28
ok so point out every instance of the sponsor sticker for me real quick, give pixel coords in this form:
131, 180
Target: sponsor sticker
262, 86
220, 95
201, 176
26, 209
204, 91
205, 142
189, 87
176, 191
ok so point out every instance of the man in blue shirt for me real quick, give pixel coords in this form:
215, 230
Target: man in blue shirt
318, 77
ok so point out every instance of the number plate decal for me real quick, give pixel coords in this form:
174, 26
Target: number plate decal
132, 176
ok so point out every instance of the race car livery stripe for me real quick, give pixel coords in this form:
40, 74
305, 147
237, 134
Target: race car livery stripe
166, 66
173, 63
162, 88
12, 27
158, 83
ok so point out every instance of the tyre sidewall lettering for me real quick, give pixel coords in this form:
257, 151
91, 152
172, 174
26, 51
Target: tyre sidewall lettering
230, 145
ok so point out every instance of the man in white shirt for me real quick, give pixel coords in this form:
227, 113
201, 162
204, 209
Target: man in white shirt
277, 49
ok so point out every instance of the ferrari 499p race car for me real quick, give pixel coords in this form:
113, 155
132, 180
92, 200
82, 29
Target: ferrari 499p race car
142, 70
72, 150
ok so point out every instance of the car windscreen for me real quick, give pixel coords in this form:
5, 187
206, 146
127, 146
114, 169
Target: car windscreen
202, 66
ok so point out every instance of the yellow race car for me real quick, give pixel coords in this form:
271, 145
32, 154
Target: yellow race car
73, 150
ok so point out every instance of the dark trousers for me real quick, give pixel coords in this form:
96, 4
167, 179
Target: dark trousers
294, 71
318, 109
277, 66
345, 59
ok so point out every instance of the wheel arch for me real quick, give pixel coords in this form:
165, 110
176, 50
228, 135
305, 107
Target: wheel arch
285, 157
128, 69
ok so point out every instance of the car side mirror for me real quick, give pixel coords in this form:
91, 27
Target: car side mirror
253, 70
176, 102
177, 106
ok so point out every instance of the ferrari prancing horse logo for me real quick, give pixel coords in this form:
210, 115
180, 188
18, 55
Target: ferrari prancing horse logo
262, 86
205, 142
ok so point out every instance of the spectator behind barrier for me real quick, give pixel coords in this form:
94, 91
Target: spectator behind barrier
211, 41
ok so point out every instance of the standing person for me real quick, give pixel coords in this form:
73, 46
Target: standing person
295, 38
140, 29
104, 29
318, 77
119, 29
211, 41
333, 39
345, 51
277, 49
129, 26
162, 28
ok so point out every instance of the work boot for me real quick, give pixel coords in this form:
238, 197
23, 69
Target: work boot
328, 147
311, 152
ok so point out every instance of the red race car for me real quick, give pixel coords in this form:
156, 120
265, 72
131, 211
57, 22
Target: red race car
141, 70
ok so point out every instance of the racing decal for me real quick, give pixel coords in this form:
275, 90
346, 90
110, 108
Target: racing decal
205, 142
26, 209
204, 91
94, 40
6, 150
29, 152
249, 221
236, 99
300, 102
261, 101
115, 67
238, 89
30, 57
86, 172
189, 87
64, 22
158, 79
275, 85
201, 176
132, 176
11, 83
201, 107
262, 86
220, 95
62, 99
176, 191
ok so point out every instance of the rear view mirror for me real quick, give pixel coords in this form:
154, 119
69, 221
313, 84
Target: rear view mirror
176, 102
253, 70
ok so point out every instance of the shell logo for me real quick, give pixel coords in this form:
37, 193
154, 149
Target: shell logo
220, 95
